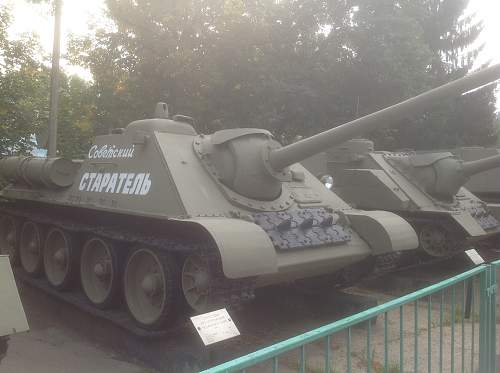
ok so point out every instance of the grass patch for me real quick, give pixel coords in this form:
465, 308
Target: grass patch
393, 368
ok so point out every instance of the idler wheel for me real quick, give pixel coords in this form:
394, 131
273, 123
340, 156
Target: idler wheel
196, 278
9, 238
434, 241
59, 259
99, 272
151, 287
30, 248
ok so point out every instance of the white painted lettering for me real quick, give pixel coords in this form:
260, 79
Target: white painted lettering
92, 176
105, 181
92, 151
146, 185
110, 151
128, 183
121, 178
137, 184
112, 183
85, 176
124, 183
97, 183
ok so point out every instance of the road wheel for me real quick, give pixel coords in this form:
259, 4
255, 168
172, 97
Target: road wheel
99, 272
196, 282
59, 259
30, 248
151, 287
434, 241
9, 238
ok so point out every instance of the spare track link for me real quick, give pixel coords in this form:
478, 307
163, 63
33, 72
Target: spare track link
234, 292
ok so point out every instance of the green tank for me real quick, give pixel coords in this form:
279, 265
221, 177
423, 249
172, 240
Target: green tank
173, 221
485, 184
427, 189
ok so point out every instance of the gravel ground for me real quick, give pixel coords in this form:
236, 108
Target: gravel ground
460, 340
59, 340
52, 347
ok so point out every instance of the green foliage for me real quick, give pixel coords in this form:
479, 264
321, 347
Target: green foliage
20, 83
292, 66
392, 368
76, 117
24, 99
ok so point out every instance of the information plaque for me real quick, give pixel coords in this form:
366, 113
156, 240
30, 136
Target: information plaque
215, 326
474, 256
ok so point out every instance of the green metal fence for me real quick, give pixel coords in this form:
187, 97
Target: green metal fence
447, 327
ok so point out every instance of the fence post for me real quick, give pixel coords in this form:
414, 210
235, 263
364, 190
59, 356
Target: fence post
493, 325
487, 320
483, 321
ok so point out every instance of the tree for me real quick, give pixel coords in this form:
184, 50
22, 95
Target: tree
21, 82
24, 99
405, 47
293, 66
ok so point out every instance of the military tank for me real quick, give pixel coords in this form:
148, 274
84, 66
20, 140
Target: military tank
12, 319
485, 184
427, 189
174, 221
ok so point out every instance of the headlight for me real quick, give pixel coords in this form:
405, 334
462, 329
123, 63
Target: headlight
327, 181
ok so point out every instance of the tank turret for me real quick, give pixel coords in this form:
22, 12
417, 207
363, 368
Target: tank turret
442, 174
485, 183
179, 218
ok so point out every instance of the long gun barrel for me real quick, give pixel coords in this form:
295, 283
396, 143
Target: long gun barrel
474, 167
296, 152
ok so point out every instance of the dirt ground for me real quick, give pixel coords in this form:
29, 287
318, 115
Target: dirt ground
51, 347
62, 340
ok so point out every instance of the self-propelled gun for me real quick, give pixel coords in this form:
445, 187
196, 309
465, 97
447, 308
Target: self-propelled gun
169, 219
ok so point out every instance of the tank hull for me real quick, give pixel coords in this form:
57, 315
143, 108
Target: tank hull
149, 198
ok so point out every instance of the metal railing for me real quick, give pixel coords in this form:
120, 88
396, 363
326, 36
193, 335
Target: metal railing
449, 326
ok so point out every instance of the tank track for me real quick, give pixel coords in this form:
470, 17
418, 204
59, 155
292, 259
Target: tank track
387, 263
226, 293
400, 261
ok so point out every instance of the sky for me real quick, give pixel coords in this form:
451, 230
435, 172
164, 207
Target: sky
78, 14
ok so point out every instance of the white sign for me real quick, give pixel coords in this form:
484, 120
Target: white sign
475, 257
215, 326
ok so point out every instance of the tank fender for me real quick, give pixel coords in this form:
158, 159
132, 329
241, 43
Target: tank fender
384, 231
245, 248
468, 224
